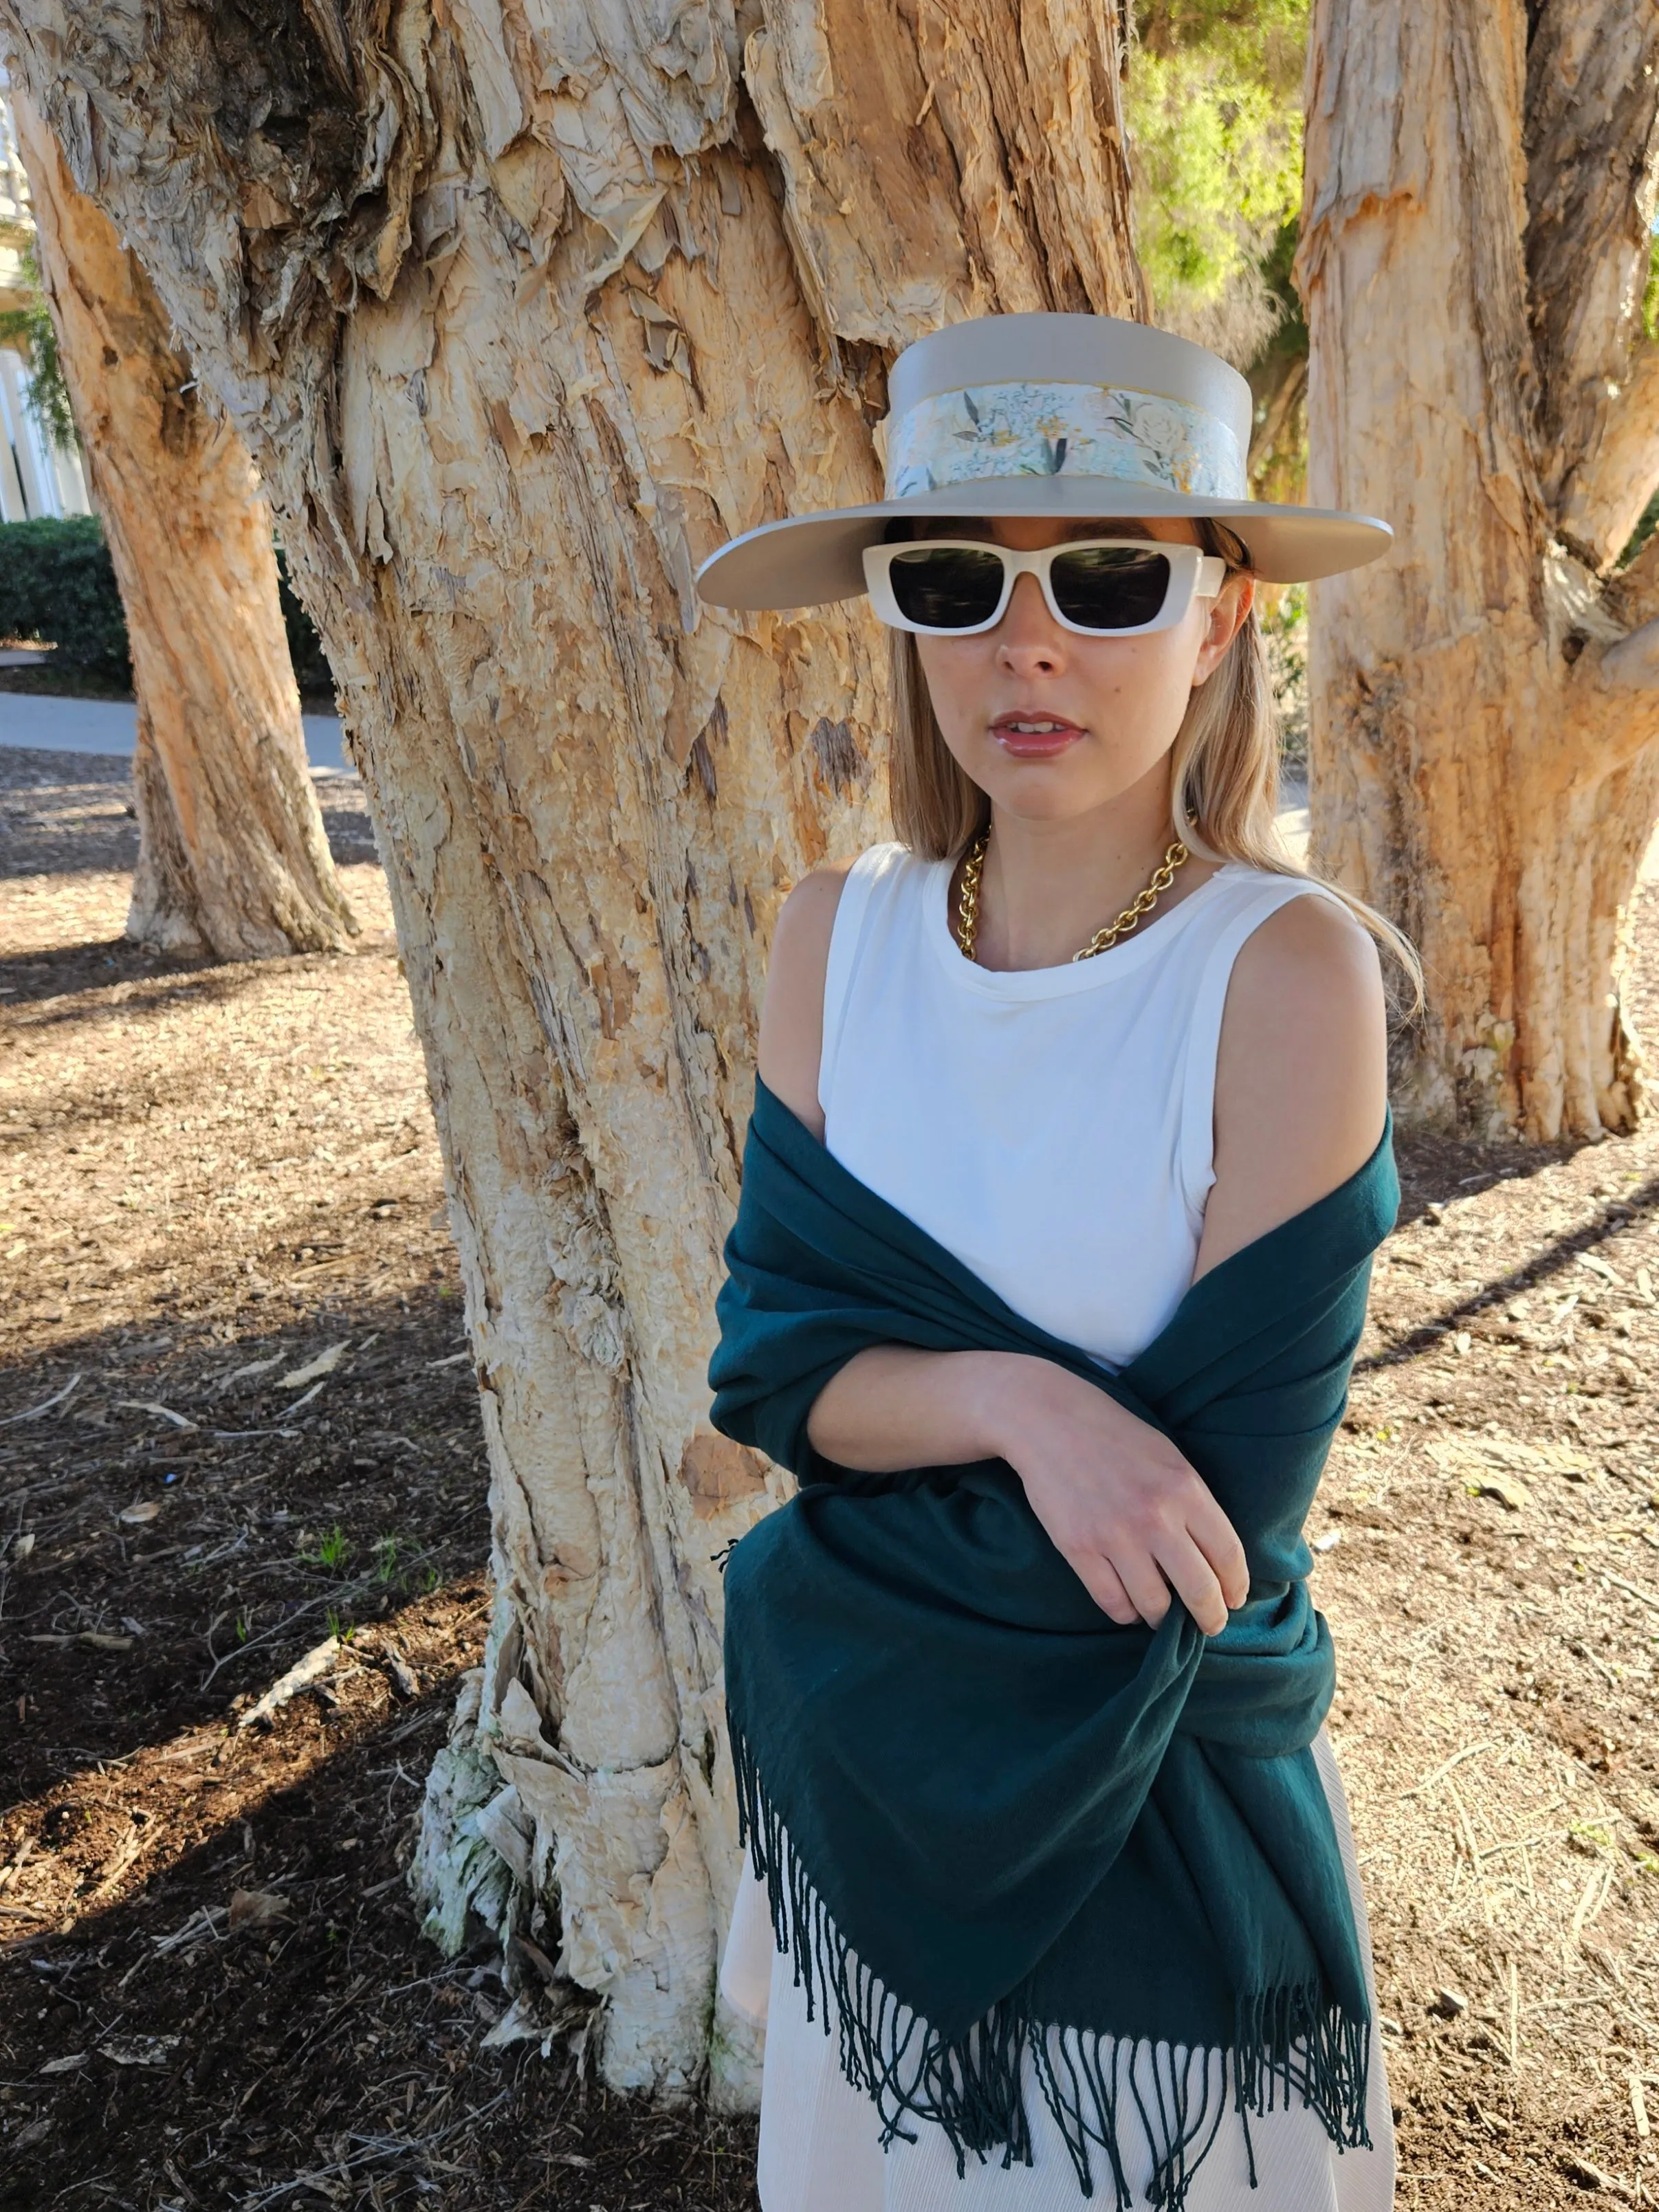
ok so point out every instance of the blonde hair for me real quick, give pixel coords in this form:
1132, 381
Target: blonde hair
1223, 781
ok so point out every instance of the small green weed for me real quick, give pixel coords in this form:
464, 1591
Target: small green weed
334, 1549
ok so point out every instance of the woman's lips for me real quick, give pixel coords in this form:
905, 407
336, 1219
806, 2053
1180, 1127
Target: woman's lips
1033, 736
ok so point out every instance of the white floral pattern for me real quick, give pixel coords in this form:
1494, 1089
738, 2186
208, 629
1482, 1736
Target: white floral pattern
1045, 429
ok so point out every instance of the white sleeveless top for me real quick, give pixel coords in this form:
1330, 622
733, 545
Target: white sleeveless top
1052, 1128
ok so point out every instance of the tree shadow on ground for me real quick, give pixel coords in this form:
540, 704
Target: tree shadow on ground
171, 1575
185, 1520
69, 974
65, 813
154, 2054
1438, 1170
74, 814
1551, 1260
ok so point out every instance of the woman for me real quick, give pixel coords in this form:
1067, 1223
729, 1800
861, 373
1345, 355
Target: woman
1054, 1892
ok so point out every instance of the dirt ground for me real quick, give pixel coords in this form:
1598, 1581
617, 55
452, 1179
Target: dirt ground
223, 1259
236, 1419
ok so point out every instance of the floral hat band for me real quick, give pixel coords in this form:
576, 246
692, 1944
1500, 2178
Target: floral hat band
1025, 429
1076, 417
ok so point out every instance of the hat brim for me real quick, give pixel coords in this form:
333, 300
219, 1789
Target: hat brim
809, 559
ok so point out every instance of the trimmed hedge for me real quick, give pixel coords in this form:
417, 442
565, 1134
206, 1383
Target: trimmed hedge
57, 584
311, 670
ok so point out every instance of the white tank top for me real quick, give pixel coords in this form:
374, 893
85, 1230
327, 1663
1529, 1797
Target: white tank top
1052, 1127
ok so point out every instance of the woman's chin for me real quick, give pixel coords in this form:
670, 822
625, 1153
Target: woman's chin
1044, 791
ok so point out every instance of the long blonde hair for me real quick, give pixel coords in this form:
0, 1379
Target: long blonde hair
1223, 781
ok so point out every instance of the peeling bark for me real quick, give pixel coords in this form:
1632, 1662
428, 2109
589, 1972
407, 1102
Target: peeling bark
232, 858
1479, 183
522, 311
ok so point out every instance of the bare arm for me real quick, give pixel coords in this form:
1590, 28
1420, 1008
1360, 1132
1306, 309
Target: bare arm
1302, 1075
791, 1017
1124, 1509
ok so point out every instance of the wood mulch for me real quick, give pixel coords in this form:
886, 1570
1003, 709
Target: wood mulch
237, 1420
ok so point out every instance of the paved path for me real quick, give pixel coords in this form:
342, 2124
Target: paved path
49, 724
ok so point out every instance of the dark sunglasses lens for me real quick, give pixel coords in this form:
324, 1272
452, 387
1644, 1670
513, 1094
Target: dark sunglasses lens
947, 586
1110, 587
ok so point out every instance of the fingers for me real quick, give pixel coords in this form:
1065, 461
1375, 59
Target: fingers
1135, 1583
1101, 1579
1128, 1512
1194, 1582
1143, 1580
1218, 1540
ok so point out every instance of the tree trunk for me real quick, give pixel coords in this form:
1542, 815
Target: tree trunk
1479, 190
523, 311
231, 857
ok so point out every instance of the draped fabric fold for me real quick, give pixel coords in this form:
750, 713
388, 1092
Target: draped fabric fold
1002, 1836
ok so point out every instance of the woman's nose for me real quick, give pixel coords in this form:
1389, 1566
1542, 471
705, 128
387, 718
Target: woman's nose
1030, 642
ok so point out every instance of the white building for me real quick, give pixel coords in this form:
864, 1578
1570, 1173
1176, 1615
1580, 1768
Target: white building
36, 477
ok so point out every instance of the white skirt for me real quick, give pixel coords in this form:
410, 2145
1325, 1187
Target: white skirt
820, 2139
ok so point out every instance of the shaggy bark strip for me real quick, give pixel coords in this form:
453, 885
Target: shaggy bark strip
522, 311
1479, 190
232, 859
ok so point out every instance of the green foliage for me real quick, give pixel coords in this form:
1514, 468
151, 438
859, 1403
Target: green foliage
1290, 338
311, 670
1214, 106
1647, 523
57, 584
1278, 382
1285, 635
31, 328
334, 1549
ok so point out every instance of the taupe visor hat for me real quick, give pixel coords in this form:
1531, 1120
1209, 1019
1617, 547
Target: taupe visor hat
1067, 415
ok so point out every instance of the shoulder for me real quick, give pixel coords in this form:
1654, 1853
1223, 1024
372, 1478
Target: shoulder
1309, 961
1301, 1086
805, 919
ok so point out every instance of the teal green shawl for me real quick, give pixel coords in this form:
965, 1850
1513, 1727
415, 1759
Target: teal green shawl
994, 1825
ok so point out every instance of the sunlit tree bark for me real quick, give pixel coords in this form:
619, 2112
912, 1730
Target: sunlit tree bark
522, 310
1480, 197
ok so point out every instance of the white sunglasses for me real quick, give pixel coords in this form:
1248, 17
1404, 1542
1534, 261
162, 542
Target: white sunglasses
1097, 587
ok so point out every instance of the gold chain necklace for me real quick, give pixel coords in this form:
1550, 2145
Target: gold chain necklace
1103, 940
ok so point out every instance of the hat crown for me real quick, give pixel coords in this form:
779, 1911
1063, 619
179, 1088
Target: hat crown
1081, 395
1069, 349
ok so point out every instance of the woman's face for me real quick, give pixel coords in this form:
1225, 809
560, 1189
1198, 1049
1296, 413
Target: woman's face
1048, 723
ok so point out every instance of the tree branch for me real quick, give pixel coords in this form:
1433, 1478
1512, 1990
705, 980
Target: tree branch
1592, 140
1631, 665
1616, 676
1605, 490
1632, 596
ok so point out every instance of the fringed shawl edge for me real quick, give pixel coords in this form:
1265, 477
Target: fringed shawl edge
1288, 2044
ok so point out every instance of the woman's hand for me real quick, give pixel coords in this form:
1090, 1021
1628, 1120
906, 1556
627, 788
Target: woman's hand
1126, 1512
1130, 1516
